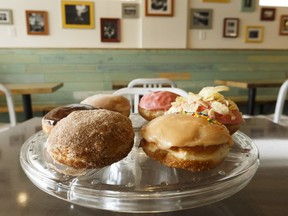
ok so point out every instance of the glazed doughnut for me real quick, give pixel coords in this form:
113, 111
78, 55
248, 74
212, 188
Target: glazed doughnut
91, 139
115, 103
155, 104
209, 101
53, 116
192, 142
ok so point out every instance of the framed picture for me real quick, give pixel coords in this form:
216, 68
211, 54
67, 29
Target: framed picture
159, 7
6, 16
283, 25
267, 14
110, 30
217, 1
130, 10
248, 5
254, 34
37, 22
78, 14
201, 18
231, 27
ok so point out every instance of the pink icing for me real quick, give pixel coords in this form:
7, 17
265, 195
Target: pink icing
159, 100
227, 119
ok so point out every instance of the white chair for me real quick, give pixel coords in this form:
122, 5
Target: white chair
280, 102
134, 94
11, 109
152, 83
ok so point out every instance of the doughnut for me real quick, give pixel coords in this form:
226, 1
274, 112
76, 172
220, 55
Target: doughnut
209, 101
115, 103
51, 118
91, 139
193, 142
155, 104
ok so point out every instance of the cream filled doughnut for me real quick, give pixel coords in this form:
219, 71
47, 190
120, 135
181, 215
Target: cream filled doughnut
55, 115
155, 104
193, 142
91, 139
210, 102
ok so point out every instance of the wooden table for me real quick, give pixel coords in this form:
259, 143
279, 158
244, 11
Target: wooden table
252, 86
33, 88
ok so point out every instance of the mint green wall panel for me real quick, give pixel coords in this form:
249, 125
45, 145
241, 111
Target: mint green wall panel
90, 70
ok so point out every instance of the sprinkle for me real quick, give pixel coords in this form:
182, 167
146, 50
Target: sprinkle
202, 115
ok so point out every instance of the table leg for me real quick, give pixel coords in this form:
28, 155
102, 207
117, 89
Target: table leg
251, 100
27, 105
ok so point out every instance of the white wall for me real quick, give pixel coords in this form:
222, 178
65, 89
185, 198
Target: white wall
143, 32
214, 39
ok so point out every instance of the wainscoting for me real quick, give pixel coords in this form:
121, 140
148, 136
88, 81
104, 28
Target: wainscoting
89, 71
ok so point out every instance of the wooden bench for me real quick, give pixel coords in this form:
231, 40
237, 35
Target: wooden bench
261, 101
44, 108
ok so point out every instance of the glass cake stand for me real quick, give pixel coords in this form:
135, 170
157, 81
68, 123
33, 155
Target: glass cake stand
138, 183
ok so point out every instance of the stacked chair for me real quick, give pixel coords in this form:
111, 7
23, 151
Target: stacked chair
11, 109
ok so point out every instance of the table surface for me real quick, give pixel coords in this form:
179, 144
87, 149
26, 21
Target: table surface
265, 195
33, 88
250, 83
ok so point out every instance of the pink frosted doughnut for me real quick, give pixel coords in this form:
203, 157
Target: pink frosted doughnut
154, 104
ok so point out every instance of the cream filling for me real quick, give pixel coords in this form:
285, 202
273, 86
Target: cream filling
218, 155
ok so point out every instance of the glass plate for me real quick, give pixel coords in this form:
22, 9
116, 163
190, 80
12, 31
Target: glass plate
137, 183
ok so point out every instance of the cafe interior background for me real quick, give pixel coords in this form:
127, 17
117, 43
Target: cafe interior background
148, 46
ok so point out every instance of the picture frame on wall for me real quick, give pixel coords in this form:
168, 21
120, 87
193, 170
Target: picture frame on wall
248, 5
110, 29
254, 34
6, 16
78, 14
37, 22
159, 7
201, 18
268, 14
130, 10
217, 1
283, 30
231, 27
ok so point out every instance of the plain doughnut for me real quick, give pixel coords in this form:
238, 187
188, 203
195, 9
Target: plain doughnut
112, 102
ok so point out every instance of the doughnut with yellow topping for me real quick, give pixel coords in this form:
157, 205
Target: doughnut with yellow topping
209, 101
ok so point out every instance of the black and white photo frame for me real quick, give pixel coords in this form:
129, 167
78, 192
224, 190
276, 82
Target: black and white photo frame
6, 17
201, 18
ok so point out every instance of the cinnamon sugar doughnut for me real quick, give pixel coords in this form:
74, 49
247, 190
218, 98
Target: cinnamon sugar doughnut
191, 142
91, 139
155, 104
53, 116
